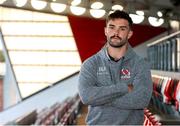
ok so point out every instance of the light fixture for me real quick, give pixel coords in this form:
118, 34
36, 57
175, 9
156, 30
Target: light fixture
20, 3
117, 7
58, 7
77, 10
155, 21
141, 13
75, 2
38, 5
137, 19
159, 13
175, 25
97, 13
97, 5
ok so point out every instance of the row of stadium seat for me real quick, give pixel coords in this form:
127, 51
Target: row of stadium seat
167, 90
64, 113
166, 99
149, 119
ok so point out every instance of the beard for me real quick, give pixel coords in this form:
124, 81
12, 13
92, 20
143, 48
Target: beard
118, 44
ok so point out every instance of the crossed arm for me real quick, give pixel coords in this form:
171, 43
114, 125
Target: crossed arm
117, 95
93, 95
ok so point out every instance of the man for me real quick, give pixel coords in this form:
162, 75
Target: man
115, 83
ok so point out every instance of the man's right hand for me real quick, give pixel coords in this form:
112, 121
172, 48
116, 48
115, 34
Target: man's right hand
130, 87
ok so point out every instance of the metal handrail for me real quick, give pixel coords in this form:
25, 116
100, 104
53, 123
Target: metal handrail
164, 38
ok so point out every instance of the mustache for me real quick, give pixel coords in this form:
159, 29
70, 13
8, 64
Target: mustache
114, 36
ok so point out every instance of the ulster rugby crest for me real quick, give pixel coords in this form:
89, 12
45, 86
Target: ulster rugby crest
125, 73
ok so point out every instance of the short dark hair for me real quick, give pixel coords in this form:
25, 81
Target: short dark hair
119, 14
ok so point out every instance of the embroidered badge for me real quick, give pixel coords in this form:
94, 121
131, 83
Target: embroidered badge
125, 73
102, 70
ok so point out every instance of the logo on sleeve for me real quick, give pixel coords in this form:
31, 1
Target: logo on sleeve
125, 73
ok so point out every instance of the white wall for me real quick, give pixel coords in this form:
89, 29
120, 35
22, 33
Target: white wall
46, 98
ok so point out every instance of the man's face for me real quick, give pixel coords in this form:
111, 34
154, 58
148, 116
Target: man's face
118, 32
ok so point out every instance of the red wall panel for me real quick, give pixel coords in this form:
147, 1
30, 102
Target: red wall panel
89, 34
142, 33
